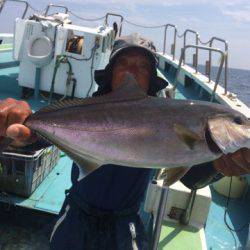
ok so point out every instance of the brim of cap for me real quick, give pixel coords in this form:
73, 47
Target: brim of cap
148, 53
157, 83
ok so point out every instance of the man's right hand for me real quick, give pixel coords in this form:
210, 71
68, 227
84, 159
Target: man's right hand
12, 115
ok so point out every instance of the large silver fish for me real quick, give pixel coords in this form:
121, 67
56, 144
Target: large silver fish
129, 128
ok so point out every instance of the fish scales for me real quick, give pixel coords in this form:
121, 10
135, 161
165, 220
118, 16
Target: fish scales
144, 134
131, 129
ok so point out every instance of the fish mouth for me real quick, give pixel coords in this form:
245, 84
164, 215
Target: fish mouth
213, 147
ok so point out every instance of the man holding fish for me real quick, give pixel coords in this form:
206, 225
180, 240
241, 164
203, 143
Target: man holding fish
101, 209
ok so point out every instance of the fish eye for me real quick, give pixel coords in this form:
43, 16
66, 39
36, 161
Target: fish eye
238, 120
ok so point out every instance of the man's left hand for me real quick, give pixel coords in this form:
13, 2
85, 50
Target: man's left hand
235, 164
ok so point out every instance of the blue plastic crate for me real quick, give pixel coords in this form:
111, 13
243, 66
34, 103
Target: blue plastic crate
22, 173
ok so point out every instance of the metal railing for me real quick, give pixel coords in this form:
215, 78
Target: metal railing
2, 4
226, 60
166, 27
195, 57
222, 59
184, 35
57, 6
116, 15
173, 46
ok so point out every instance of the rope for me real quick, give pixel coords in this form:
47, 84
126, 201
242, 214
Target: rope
91, 69
86, 19
125, 20
144, 26
204, 43
36, 10
180, 36
242, 227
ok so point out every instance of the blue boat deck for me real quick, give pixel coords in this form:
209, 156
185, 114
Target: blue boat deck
49, 196
218, 236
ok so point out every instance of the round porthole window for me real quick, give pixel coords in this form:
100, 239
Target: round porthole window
40, 50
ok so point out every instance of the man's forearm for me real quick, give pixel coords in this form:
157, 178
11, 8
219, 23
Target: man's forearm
200, 176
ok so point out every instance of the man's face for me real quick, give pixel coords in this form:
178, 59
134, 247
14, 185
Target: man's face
134, 63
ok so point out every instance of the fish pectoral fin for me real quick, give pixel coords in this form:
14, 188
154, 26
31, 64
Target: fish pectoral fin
228, 135
186, 135
85, 164
172, 175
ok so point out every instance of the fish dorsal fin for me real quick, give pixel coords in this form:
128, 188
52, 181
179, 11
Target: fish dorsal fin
128, 91
187, 136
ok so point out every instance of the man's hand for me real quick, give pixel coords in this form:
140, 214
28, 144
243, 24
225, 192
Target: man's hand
12, 114
234, 164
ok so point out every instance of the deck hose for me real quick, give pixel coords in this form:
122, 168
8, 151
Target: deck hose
62, 59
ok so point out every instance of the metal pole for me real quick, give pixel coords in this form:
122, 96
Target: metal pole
2, 5
37, 82
18, 1
117, 15
179, 69
210, 61
196, 41
226, 60
165, 38
184, 45
226, 67
54, 5
196, 56
218, 76
26, 9
120, 31
175, 34
160, 216
185, 217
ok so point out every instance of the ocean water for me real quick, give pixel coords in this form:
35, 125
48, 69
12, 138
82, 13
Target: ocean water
238, 82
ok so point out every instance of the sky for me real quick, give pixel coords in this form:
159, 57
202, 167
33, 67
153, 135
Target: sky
227, 19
